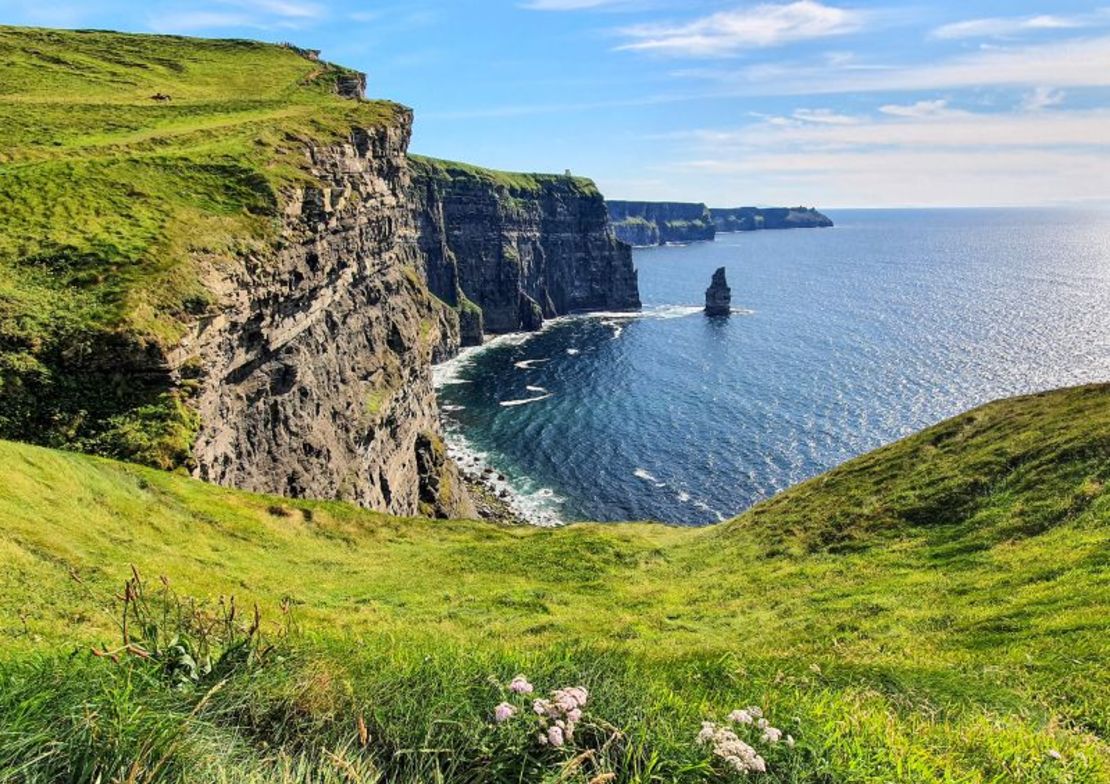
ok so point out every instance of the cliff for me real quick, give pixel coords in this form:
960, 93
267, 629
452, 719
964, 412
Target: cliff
510, 250
756, 218
644, 223
217, 257
315, 377
225, 282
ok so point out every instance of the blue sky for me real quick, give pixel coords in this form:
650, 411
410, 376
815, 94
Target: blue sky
828, 102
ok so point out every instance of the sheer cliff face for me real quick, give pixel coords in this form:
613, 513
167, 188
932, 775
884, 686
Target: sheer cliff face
756, 219
315, 377
643, 223
519, 248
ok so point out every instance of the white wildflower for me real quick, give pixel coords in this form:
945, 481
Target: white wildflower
740, 717
1054, 754
772, 734
541, 707
727, 745
790, 741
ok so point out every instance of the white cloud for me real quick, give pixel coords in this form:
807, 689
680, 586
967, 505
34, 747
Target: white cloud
936, 156
904, 177
938, 108
1042, 98
947, 128
729, 32
823, 117
1070, 63
1002, 27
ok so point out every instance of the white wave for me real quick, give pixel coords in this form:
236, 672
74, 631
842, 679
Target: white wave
541, 390
525, 401
537, 507
640, 473
709, 509
454, 408
683, 497
528, 364
573, 352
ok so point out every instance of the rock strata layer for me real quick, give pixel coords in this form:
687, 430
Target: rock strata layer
718, 297
509, 251
315, 376
646, 223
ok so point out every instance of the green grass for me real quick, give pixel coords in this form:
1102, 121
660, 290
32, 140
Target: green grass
514, 183
935, 611
115, 204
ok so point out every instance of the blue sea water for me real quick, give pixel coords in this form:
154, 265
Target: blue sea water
846, 339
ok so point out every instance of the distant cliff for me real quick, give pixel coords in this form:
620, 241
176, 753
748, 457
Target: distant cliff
755, 218
643, 223
511, 250
646, 223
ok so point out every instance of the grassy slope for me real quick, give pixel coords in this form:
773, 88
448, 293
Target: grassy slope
112, 201
938, 610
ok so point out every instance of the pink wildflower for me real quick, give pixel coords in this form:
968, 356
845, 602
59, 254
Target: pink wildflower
520, 685
555, 736
503, 712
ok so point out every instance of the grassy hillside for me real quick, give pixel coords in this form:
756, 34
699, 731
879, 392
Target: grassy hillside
114, 201
935, 611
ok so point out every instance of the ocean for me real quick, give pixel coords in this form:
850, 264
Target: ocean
842, 340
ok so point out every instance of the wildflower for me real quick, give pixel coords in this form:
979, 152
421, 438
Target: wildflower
1054, 754
727, 745
541, 707
740, 717
503, 712
762, 724
555, 736
574, 716
520, 685
772, 734
790, 741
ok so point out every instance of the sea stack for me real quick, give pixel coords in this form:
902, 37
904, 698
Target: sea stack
718, 297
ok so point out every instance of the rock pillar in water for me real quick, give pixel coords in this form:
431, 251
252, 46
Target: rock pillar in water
718, 297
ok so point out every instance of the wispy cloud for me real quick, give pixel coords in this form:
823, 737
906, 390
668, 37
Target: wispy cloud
929, 155
920, 109
728, 32
1004, 27
941, 129
1042, 98
251, 14
1068, 63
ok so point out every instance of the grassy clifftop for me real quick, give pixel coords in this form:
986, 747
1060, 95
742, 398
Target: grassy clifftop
935, 611
114, 200
515, 183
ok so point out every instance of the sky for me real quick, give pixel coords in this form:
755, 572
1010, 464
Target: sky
834, 103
